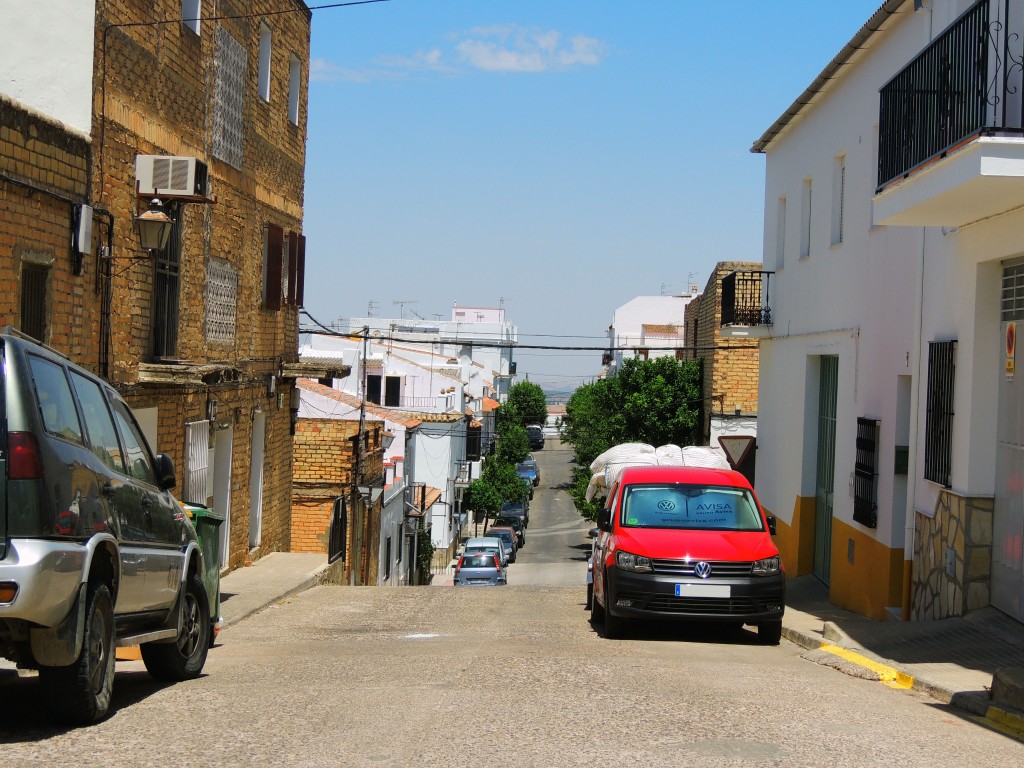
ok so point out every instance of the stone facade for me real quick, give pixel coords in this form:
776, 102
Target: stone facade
952, 557
207, 328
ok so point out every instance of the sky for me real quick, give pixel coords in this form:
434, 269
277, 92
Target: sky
555, 157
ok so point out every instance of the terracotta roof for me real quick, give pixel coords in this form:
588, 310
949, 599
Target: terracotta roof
438, 370
490, 404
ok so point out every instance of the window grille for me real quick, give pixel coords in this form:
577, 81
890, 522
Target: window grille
221, 299
33, 299
865, 478
165, 290
338, 531
938, 431
1013, 293
229, 99
197, 458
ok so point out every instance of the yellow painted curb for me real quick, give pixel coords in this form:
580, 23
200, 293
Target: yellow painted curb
886, 674
1010, 723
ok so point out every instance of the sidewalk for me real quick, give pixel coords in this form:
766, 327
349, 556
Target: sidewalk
273, 577
952, 660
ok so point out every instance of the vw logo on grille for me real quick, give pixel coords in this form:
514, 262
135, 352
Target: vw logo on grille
702, 569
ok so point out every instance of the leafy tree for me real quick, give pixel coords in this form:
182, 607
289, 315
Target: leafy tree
483, 498
655, 401
503, 478
526, 404
513, 445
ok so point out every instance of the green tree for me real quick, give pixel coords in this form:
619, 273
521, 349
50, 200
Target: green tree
504, 480
655, 401
513, 445
526, 404
482, 498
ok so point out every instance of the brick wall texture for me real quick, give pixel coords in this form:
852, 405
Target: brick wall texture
155, 92
730, 365
325, 464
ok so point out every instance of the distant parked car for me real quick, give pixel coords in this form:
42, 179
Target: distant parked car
528, 471
535, 434
479, 569
516, 524
517, 508
488, 544
533, 463
508, 537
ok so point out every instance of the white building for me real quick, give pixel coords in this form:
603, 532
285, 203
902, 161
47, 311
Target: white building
890, 439
646, 327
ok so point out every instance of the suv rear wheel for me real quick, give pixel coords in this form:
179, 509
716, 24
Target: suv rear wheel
80, 694
184, 658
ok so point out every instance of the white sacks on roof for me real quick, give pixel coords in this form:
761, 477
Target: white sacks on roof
607, 467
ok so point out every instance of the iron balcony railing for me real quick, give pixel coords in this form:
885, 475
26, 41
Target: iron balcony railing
745, 298
966, 83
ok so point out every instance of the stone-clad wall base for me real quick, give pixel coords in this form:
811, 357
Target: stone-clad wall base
953, 557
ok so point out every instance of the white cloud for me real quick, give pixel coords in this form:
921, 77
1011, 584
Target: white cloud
518, 49
323, 71
497, 48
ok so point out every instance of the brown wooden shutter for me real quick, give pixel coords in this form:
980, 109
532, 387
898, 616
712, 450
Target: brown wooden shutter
300, 276
293, 265
272, 272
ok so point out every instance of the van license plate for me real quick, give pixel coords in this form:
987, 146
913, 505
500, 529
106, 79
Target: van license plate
703, 590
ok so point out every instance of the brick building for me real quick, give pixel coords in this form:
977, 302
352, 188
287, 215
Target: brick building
729, 363
201, 336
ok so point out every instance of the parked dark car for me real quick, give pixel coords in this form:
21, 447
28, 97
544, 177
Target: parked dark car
95, 553
508, 536
535, 434
479, 569
518, 509
516, 524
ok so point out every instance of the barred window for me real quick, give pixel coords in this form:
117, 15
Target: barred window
229, 99
938, 430
34, 278
221, 299
1013, 293
865, 482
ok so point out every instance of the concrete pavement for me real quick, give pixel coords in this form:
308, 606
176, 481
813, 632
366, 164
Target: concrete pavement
956, 661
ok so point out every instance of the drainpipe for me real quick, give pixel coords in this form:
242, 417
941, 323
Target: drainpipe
915, 396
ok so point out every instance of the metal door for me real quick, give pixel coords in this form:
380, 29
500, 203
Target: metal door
1008, 516
828, 384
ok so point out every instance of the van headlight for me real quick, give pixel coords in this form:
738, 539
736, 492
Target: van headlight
627, 561
767, 567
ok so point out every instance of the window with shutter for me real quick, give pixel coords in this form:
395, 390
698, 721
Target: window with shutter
300, 273
273, 244
293, 267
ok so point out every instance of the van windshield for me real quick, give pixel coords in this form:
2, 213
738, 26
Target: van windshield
690, 507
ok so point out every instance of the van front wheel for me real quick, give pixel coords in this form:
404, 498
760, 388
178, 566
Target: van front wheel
769, 632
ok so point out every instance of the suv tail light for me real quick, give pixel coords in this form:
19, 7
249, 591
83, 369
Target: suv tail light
23, 459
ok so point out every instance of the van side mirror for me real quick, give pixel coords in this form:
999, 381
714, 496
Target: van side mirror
165, 478
604, 519
771, 524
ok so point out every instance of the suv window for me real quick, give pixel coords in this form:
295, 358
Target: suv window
56, 405
98, 423
139, 464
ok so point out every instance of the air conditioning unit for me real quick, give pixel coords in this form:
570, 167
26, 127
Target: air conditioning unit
170, 176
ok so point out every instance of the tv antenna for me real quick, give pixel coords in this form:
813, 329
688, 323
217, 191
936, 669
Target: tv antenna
371, 307
400, 303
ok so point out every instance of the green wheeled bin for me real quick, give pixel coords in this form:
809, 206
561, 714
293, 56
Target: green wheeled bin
207, 523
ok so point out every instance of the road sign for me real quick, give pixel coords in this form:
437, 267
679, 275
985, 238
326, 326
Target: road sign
736, 448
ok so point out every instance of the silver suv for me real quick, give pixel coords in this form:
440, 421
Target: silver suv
94, 551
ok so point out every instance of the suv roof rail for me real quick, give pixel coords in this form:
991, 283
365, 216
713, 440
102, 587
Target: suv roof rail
10, 330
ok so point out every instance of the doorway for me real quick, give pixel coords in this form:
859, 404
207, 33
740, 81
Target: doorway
825, 473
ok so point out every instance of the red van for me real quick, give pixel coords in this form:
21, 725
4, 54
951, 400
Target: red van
686, 543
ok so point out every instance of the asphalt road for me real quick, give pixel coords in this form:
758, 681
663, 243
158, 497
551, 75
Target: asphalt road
509, 676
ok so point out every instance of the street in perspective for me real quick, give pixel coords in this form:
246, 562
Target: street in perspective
515, 676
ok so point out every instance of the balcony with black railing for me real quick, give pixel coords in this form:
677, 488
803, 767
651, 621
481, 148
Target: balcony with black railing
745, 309
951, 124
